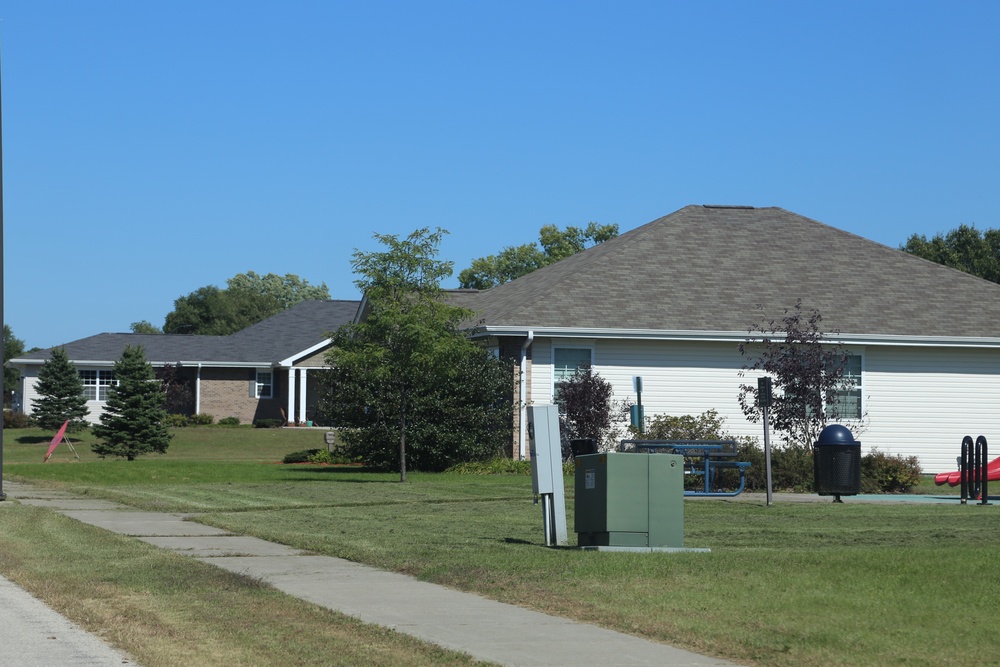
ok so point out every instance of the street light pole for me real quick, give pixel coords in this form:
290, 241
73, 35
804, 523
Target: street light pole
3, 496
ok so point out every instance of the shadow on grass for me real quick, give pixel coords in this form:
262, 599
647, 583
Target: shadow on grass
33, 439
313, 472
330, 469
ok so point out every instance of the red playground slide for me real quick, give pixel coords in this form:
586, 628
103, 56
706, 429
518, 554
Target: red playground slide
955, 478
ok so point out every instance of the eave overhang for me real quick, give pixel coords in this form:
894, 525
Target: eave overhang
885, 340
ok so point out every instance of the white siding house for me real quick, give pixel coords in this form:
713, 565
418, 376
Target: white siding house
670, 301
916, 401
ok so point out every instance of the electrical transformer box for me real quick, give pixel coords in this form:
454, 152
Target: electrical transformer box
629, 500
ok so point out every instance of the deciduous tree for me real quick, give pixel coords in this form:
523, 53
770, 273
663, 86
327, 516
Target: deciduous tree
588, 409
60, 394
134, 418
807, 371
287, 290
13, 347
247, 299
406, 382
515, 261
964, 248
144, 327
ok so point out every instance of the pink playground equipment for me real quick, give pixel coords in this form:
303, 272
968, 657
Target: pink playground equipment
974, 473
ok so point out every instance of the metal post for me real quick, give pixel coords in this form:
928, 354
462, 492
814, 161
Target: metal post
767, 457
963, 468
977, 469
764, 400
3, 496
984, 474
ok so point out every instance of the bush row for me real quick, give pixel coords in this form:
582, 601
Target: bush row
203, 419
791, 466
319, 456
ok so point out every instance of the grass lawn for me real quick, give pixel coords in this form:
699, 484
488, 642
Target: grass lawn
793, 584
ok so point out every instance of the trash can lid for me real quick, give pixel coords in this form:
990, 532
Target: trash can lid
836, 434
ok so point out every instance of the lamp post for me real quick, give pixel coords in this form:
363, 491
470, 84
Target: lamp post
3, 496
764, 401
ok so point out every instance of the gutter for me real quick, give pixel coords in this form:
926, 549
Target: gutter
523, 421
881, 340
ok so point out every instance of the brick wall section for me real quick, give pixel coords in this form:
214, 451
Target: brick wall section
510, 348
225, 392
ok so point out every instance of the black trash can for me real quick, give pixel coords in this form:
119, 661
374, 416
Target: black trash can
583, 446
837, 463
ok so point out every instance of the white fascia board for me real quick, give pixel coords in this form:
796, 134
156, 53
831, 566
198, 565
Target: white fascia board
25, 362
290, 361
153, 362
226, 364
734, 336
75, 362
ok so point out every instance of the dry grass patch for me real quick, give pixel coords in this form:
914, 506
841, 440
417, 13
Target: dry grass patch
165, 609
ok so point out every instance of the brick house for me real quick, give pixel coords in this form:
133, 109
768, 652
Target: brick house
266, 371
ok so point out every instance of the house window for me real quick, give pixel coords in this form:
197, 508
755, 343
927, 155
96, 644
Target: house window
565, 361
263, 384
97, 384
846, 402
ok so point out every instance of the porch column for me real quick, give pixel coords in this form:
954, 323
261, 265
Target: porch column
291, 395
302, 395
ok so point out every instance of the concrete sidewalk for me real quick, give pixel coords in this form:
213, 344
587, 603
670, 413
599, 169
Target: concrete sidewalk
483, 628
33, 635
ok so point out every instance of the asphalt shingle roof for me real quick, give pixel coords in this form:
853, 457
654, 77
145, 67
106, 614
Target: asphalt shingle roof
279, 337
706, 268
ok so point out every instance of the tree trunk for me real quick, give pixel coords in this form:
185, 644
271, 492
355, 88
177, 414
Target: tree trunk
402, 436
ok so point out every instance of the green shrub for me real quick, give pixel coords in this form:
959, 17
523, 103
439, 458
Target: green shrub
178, 421
229, 421
323, 456
267, 423
319, 456
16, 420
706, 426
202, 419
299, 457
881, 473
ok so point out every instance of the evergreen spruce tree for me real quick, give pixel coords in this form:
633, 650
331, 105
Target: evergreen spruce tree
60, 395
134, 418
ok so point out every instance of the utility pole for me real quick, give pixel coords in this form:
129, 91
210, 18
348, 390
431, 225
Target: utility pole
3, 496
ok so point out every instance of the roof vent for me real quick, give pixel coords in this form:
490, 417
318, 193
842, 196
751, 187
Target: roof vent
749, 208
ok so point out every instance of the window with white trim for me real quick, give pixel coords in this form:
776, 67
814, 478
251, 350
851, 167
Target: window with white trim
847, 400
565, 362
264, 384
97, 384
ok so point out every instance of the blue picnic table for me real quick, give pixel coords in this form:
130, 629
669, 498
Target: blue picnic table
701, 457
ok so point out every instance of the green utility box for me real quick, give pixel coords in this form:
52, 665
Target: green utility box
630, 500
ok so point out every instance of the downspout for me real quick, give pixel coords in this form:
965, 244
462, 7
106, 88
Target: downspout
522, 436
197, 392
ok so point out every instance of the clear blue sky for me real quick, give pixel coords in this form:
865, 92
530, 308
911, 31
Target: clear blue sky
155, 147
